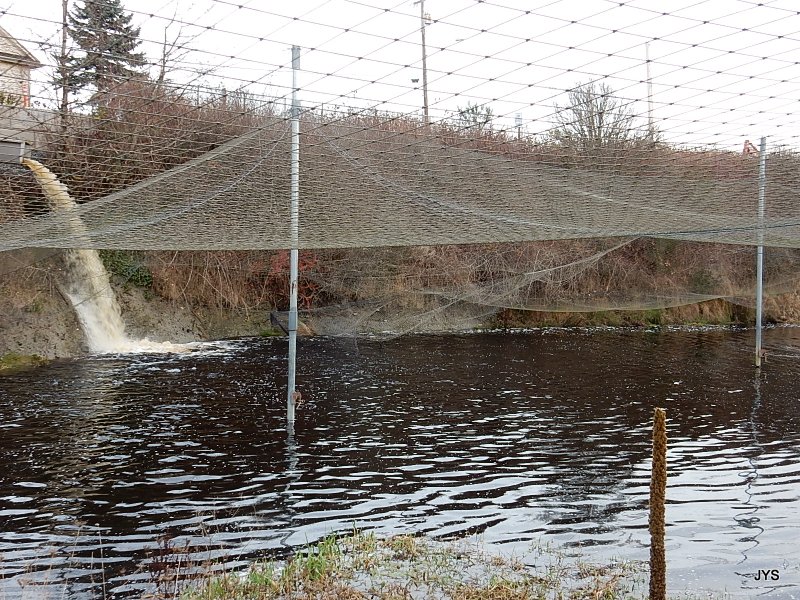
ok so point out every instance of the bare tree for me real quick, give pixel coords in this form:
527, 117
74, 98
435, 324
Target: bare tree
596, 120
474, 118
174, 48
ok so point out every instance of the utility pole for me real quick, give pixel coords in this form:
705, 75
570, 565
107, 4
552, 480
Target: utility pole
291, 395
63, 76
650, 129
423, 21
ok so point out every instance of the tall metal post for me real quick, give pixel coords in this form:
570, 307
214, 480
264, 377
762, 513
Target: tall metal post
295, 239
762, 196
424, 63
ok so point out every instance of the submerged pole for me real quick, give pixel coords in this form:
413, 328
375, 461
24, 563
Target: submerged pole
762, 189
295, 239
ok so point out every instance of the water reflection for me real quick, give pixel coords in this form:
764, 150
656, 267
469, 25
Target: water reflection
541, 436
748, 518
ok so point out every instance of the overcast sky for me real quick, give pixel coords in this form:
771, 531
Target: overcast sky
722, 70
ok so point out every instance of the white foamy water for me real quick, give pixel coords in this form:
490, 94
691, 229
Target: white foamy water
89, 290
150, 347
88, 286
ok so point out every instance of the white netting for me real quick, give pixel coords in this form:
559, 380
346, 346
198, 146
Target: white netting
371, 182
517, 190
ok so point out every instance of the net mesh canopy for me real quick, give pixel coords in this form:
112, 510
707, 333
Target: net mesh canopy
568, 157
371, 183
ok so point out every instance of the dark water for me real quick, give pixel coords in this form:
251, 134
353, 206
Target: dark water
522, 438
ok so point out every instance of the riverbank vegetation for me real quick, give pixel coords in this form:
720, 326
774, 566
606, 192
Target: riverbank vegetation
362, 565
643, 282
145, 127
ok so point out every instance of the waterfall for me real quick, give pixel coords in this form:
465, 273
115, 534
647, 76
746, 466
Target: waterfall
87, 284
89, 290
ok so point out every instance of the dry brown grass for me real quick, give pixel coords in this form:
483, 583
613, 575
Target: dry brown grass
241, 280
407, 567
644, 282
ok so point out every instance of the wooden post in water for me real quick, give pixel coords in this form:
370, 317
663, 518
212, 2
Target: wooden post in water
658, 492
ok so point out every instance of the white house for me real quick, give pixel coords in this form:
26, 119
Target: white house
16, 64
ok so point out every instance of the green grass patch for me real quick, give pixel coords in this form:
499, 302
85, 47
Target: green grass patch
361, 565
270, 331
127, 265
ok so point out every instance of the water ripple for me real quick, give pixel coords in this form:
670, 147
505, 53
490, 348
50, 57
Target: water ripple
519, 437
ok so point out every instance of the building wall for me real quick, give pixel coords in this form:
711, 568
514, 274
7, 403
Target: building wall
7, 46
26, 125
15, 83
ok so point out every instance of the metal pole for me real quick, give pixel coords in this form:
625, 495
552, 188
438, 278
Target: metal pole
424, 63
762, 189
295, 239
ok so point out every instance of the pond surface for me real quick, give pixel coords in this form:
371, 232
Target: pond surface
523, 438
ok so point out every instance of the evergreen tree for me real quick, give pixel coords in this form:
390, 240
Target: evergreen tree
103, 31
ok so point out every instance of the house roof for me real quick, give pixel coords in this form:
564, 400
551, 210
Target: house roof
16, 53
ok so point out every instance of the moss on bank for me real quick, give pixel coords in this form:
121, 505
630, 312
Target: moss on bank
13, 361
713, 312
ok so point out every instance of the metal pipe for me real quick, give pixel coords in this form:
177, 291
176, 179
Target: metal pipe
12, 151
295, 239
762, 195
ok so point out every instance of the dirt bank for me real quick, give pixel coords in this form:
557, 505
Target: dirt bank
36, 319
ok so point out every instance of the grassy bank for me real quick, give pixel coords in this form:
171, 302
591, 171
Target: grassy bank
712, 312
570, 283
362, 565
597, 281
